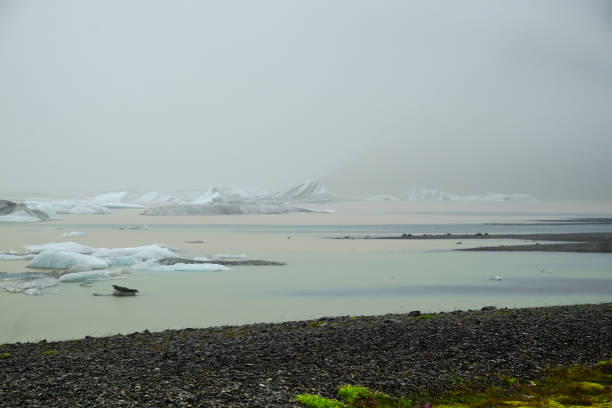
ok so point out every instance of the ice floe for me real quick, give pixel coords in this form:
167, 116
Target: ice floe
155, 251
60, 246
65, 260
88, 276
37, 284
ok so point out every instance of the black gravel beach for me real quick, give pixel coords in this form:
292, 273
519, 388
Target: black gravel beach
269, 364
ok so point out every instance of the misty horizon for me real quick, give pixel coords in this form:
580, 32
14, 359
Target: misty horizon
366, 98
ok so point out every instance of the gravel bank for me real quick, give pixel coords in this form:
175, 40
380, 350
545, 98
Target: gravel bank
268, 364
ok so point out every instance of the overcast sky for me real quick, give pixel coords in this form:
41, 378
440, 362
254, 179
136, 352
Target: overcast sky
366, 96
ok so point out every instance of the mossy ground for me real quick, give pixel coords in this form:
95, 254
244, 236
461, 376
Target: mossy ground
570, 387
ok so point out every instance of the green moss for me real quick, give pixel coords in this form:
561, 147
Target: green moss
49, 352
315, 324
5, 355
424, 316
575, 386
314, 401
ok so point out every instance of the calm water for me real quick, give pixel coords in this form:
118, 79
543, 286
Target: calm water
322, 277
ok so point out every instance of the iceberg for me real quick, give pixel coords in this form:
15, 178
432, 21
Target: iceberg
155, 251
73, 234
156, 267
87, 276
21, 212
207, 197
308, 192
66, 260
37, 284
113, 197
60, 246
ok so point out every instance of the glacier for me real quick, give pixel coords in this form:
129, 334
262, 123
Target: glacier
65, 260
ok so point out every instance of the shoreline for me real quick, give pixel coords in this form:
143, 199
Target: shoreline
594, 242
269, 364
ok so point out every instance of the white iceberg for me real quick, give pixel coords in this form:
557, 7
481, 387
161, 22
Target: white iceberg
124, 205
60, 246
227, 257
39, 284
88, 276
21, 212
66, 260
73, 234
155, 251
156, 267
112, 197
201, 258
308, 192
207, 197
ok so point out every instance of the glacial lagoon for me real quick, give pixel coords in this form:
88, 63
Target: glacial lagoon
322, 276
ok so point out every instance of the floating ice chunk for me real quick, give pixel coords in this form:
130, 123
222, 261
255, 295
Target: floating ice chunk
156, 267
85, 209
88, 276
10, 257
60, 246
65, 260
33, 292
201, 258
40, 283
154, 251
228, 257
20, 212
73, 234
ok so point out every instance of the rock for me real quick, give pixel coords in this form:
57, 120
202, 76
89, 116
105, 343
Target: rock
414, 313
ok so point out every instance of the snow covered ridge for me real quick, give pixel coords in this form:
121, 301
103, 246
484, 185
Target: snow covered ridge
308, 192
423, 194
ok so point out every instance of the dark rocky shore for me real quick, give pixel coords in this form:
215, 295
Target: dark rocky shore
269, 364
572, 242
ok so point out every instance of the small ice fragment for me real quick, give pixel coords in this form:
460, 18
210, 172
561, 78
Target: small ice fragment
73, 234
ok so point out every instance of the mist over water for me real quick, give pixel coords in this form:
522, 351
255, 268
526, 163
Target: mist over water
469, 97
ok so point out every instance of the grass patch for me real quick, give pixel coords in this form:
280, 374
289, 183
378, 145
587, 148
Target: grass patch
425, 316
49, 352
574, 386
5, 355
